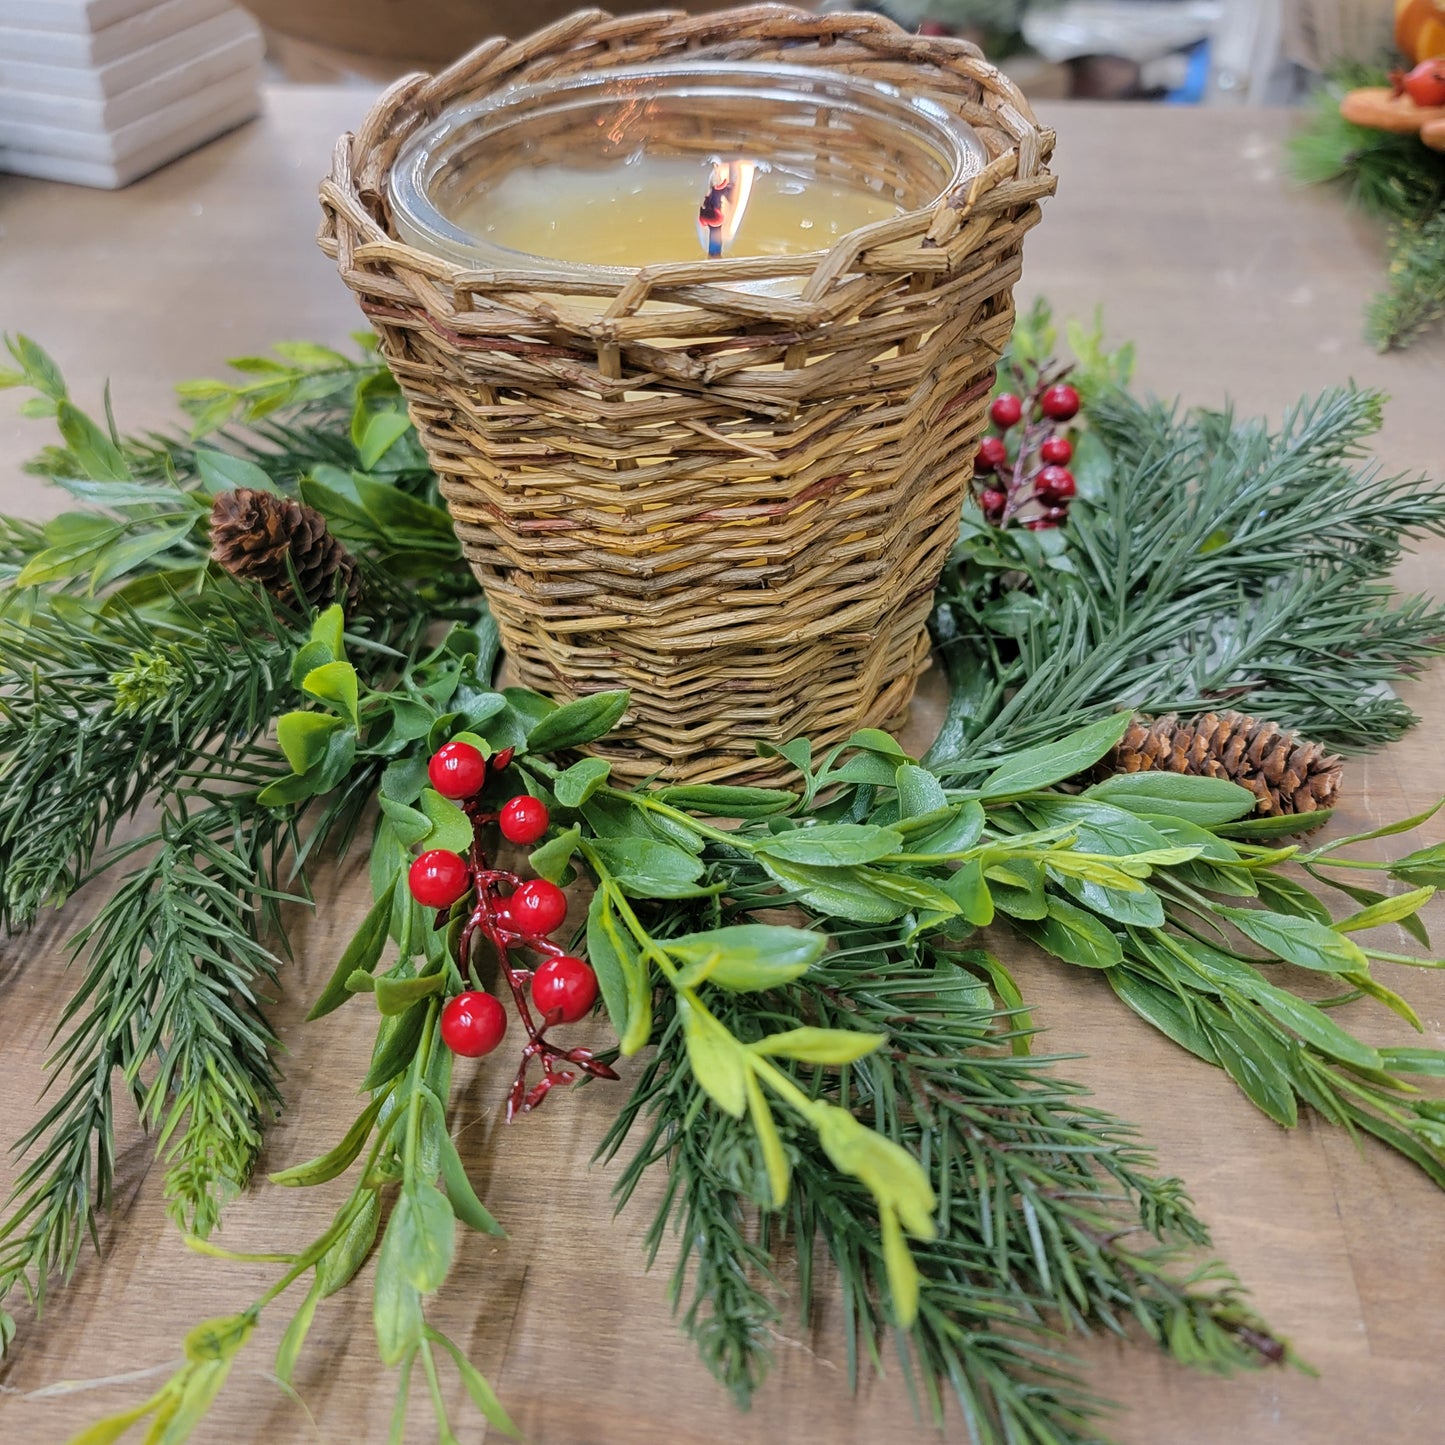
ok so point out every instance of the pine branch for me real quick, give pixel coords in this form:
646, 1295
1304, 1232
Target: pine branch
1415, 297
99, 710
1044, 1199
1211, 562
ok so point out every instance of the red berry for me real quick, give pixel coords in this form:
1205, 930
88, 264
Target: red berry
438, 878
1056, 514
992, 454
1041, 524
565, 983
1060, 402
457, 770
1006, 410
1054, 484
1425, 85
536, 908
1057, 451
993, 502
473, 1024
501, 759
523, 819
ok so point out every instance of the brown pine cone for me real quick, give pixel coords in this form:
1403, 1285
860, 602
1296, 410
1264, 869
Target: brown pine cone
263, 537
1287, 773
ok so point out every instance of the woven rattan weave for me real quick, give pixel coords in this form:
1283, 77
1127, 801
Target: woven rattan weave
736, 504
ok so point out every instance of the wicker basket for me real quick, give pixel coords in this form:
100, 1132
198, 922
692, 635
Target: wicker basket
738, 505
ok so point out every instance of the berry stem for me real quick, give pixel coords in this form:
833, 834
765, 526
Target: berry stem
486, 919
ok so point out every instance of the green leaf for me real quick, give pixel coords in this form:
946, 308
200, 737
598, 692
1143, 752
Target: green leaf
222, 472
919, 791
717, 1059
551, 859
957, 835
289, 1350
328, 629
833, 845
775, 1160
1284, 895
965, 885
904, 1281
335, 683
621, 974
396, 1047
1170, 1013
396, 1303
1016, 887
483, 1396
649, 869
218, 1339
1285, 825
451, 829
1257, 1064
1140, 906
40, 371
313, 655
425, 1228
580, 781
1101, 827
1301, 941
892, 1175
1425, 1063
748, 957
819, 1046
719, 801
396, 995
468, 1208
304, 737
1073, 935
338, 1160
582, 721
113, 1427
1040, 767
203, 1383
98, 455
1020, 1021
383, 429
409, 825
844, 892
1423, 867
1315, 1027
1201, 801
338, 1266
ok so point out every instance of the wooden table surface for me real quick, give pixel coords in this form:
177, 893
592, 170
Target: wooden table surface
1182, 227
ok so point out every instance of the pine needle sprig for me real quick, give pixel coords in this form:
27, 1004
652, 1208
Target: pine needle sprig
1044, 1201
99, 710
1414, 298
1210, 562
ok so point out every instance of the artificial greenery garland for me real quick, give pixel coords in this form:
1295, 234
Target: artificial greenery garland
1026, 1209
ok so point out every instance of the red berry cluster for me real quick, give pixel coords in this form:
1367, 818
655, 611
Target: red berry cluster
512, 914
1028, 483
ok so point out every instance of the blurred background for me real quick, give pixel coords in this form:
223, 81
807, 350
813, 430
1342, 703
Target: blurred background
1180, 51
101, 92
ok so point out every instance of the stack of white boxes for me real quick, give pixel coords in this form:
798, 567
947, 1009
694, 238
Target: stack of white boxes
100, 92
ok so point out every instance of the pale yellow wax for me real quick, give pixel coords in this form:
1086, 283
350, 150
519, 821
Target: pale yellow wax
645, 212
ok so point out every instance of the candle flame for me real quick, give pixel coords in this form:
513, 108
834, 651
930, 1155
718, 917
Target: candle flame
720, 216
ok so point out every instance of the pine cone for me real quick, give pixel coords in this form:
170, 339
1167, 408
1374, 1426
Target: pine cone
262, 537
1287, 773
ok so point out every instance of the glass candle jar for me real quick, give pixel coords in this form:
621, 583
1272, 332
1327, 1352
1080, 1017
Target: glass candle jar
648, 165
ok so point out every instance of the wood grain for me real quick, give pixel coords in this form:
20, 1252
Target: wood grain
1181, 227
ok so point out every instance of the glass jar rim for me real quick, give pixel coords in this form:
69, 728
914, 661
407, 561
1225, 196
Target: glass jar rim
423, 155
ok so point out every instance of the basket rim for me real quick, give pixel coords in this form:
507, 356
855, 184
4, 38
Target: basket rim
358, 230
